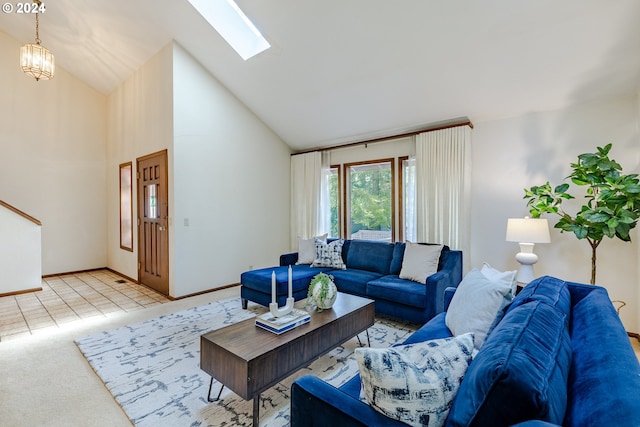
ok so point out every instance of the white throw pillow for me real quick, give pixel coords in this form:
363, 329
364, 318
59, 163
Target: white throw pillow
415, 383
509, 277
420, 261
307, 249
476, 304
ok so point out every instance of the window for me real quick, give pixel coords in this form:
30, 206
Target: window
369, 200
233, 25
126, 207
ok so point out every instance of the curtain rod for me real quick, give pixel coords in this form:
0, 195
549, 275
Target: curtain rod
431, 128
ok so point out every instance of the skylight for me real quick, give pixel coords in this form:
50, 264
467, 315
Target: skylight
233, 25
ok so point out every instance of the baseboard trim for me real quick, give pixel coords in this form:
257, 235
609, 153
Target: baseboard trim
74, 272
232, 285
634, 335
24, 291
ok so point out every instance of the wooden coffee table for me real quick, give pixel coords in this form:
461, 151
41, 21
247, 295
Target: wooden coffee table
248, 359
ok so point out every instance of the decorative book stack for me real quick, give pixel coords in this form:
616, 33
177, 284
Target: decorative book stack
281, 324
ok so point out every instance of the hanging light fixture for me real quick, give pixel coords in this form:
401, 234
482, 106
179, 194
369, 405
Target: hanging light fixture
36, 60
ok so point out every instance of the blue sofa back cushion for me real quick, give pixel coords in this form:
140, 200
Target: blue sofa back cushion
550, 290
370, 256
520, 373
594, 394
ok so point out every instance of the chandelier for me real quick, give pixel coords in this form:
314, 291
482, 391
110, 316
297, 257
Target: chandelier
35, 60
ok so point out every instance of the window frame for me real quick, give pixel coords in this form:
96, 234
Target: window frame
346, 229
126, 191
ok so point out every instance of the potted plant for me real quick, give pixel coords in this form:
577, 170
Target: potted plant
322, 292
612, 201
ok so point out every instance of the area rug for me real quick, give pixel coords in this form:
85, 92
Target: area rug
152, 368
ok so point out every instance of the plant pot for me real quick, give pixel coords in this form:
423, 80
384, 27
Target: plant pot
322, 292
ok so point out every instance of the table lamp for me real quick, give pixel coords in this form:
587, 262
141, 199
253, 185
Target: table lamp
527, 232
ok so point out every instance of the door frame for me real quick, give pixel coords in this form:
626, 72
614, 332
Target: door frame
164, 215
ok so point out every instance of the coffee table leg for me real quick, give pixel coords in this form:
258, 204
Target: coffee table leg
368, 340
209, 394
256, 410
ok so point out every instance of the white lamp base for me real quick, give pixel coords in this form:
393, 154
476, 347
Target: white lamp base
526, 258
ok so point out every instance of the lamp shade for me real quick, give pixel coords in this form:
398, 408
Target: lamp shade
528, 230
37, 62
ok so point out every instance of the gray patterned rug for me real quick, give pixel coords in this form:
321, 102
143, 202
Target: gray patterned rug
152, 368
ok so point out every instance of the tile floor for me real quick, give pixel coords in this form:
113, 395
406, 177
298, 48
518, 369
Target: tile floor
70, 298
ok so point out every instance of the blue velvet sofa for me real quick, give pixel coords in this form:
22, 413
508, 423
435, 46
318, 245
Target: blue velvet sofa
372, 271
559, 356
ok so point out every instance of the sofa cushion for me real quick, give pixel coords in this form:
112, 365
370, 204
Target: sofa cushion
353, 281
396, 261
393, 288
260, 279
415, 383
434, 329
329, 254
520, 373
551, 290
604, 381
420, 261
477, 305
371, 256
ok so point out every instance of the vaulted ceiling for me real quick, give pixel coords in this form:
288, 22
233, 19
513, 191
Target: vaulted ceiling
346, 70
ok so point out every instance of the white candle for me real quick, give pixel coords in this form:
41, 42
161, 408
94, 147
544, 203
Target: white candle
273, 286
290, 284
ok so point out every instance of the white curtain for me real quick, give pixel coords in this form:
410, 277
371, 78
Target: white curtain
409, 199
324, 220
443, 169
306, 196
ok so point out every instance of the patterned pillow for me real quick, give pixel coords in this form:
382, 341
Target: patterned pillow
415, 383
329, 254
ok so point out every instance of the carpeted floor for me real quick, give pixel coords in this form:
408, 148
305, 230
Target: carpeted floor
152, 368
46, 381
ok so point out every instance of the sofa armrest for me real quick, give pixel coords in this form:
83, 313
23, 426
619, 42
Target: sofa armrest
448, 296
288, 259
315, 402
449, 276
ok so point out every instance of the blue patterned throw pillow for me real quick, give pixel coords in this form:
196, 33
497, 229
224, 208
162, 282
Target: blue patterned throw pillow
329, 254
415, 383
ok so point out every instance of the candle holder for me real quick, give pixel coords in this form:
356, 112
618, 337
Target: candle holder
279, 312
288, 307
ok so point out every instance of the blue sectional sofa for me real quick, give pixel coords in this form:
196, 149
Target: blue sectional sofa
372, 271
559, 356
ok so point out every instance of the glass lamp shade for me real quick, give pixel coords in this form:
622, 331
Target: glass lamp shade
37, 62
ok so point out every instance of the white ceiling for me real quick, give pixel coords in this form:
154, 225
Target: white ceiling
346, 70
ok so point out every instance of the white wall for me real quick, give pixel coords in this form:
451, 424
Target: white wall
516, 153
20, 253
52, 166
231, 184
140, 122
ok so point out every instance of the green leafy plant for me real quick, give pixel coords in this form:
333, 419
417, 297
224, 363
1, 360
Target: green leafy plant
612, 201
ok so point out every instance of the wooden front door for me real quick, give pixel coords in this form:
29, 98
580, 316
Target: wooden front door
153, 213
